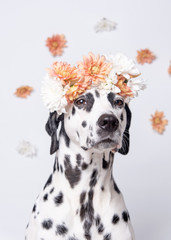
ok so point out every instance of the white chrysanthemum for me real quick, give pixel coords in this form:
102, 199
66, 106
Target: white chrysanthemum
109, 85
27, 149
105, 25
136, 85
53, 94
122, 65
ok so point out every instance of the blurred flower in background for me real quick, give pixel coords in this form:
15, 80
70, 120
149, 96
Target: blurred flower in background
158, 122
23, 92
145, 56
105, 25
56, 43
26, 149
169, 69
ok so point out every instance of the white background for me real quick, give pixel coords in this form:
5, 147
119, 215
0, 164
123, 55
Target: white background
144, 174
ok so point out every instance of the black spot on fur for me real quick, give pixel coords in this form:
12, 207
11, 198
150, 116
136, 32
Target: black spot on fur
116, 187
84, 148
57, 163
100, 229
34, 208
121, 117
115, 219
82, 197
125, 216
97, 94
105, 164
84, 166
58, 199
87, 225
82, 212
107, 237
45, 197
72, 238
73, 110
49, 181
72, 174
78, 157
61, 168
47, 224
93, 179
111, 97
98, 220
54, 166
61, 230
51, 191
90, 101
84, 124
102, 188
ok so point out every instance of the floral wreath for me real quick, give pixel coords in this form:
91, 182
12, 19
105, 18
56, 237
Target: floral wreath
64, 83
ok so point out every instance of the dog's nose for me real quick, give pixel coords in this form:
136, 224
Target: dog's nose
108, 122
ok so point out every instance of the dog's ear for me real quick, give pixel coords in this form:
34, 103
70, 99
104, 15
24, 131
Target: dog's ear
125, 141
51, 128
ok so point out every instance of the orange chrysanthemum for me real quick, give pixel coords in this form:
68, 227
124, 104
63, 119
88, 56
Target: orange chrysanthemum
94, 68
23, 91
56, 44
64, 72
77, 89
169, 69
145, 56
125, 91
158, 122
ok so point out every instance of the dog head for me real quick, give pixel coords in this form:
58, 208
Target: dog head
95, 120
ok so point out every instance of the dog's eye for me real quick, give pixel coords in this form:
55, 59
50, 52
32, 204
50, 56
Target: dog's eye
119, 103
80, 102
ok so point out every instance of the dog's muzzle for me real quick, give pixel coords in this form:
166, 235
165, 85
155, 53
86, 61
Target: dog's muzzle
108, 123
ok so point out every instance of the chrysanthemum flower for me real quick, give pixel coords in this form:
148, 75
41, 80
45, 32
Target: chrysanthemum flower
26, 149
94, 68
105, 25
77, 89
125, 91
158, 122
169, 69
56, 43
145, 56
64, 71
23, 91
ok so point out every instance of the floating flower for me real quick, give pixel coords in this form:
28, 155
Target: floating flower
94, 68
145, 56
53, 94
23, 92
158, 122
121, 65
64, 71
169, 69
27, 149
56, 43
105, 25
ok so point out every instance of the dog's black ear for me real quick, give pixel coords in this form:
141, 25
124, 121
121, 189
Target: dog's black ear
51, 128
125, 141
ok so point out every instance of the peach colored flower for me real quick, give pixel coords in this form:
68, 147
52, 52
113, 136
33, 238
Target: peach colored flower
23, 91
125, 91
56, 43
169, 69
158, 122
77, 89
94, 68
145, 56
64, 72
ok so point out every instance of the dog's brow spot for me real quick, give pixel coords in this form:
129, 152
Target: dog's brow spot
58, 199
84, 124
45, 197
47, 224
82, 197
73, 110
97, 94
115, 219
90, 101
61, 230
121, 117
111, 97
125, 216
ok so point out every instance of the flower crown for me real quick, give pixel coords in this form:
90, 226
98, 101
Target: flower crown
64, 83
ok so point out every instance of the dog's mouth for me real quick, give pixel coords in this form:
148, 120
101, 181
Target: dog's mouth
106, 143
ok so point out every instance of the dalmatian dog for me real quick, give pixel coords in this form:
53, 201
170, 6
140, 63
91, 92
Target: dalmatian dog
81, 200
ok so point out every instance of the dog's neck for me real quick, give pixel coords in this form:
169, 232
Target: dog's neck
81, 169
